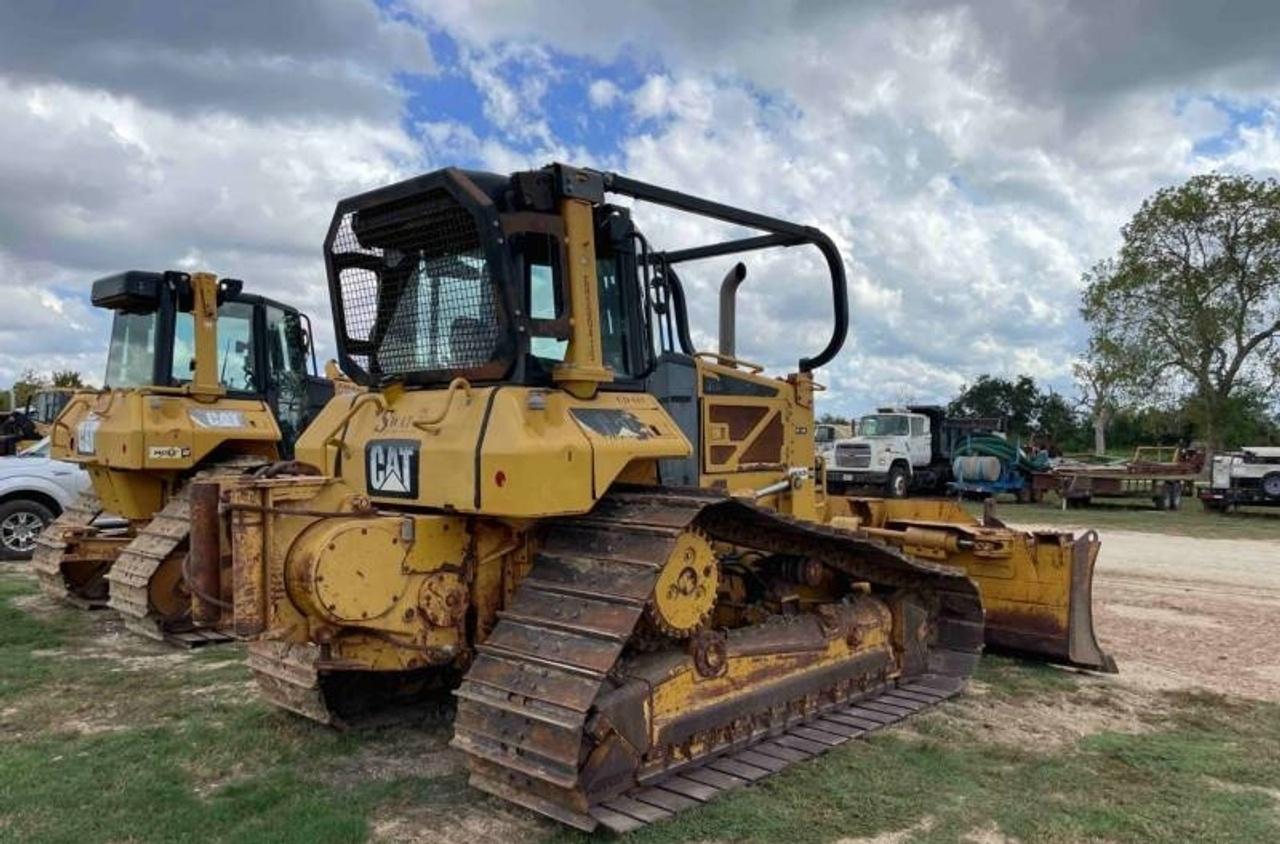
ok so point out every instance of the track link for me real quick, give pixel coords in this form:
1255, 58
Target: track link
526, 706
693, 786
57, 543
164, 540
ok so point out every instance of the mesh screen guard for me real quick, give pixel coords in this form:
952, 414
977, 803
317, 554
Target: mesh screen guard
414, 288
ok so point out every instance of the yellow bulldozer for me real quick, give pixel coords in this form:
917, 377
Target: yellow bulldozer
202, 380
617, 547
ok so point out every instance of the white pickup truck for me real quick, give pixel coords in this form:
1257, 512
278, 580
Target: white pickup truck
1248, 476
33, 490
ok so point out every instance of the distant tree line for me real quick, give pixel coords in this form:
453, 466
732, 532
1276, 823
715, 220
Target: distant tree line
1049, 419
32, 382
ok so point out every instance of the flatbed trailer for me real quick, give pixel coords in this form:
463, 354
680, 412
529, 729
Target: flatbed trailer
1160, 474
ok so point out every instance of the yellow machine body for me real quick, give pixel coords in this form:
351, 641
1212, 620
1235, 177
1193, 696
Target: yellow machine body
631, 579
142, 439
137, 443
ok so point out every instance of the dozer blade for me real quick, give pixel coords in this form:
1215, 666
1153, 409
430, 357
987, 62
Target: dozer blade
574, 710
72, 557
1056, 622
1037, 587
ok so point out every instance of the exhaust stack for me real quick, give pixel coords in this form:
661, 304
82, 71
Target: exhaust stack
728, 307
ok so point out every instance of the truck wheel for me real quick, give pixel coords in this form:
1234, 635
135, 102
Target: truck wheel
21, 521
1271, 485
898, 483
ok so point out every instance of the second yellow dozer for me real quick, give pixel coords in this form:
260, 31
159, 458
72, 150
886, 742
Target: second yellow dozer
619, 549
202, 379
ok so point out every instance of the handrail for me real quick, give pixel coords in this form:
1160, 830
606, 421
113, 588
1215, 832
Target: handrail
332, 437
727, 360
781, 233
430, 425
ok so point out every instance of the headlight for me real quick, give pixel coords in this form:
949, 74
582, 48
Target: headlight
882, 460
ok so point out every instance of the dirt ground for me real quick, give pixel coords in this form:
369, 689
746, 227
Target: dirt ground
1183, 612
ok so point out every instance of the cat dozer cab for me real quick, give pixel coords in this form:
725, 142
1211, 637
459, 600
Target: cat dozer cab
202, 380
616, 545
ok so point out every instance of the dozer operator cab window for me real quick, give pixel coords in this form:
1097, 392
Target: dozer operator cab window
131, 357
613, 318
544, 303
235, 348
444, 317
544, 297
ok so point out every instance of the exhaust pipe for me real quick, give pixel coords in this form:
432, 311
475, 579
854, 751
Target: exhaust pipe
728, 307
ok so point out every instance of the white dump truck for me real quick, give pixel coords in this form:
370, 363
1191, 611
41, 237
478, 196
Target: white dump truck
901, 450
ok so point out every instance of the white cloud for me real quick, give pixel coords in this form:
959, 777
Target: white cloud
970, 160
602, 93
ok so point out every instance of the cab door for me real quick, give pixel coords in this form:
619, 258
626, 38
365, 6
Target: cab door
288, 386
920, 443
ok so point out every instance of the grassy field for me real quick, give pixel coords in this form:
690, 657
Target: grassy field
108, 738
1191, 520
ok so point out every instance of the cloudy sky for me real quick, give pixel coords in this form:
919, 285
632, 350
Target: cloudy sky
971, 160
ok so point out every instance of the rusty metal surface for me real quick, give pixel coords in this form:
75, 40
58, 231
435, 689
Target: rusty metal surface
204, 556
139, 574
661, 799
534, 710
289, 677
68, 568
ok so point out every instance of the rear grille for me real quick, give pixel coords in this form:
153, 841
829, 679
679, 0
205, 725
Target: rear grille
853, 456
414, 287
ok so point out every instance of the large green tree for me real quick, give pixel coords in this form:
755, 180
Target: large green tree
1191, 304
1017, 401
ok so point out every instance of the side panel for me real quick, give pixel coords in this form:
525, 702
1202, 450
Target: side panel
504, 451
756, 432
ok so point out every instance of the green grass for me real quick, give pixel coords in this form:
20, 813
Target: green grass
107, 738
1191, 520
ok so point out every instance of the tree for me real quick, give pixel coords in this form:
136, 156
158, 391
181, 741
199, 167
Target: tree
1017, 401
27, 385
67, 378
1193, 297
1104, 382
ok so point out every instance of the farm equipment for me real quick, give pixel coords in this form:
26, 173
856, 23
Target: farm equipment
202, 380
989, 464
617, 546
1162, 474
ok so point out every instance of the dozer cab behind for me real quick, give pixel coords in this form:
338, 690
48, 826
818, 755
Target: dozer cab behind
202, 380
24, 427
616, 545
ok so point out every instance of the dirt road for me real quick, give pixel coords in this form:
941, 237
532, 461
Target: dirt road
1183, 612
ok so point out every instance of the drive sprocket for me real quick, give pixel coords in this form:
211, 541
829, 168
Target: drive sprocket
685, 593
